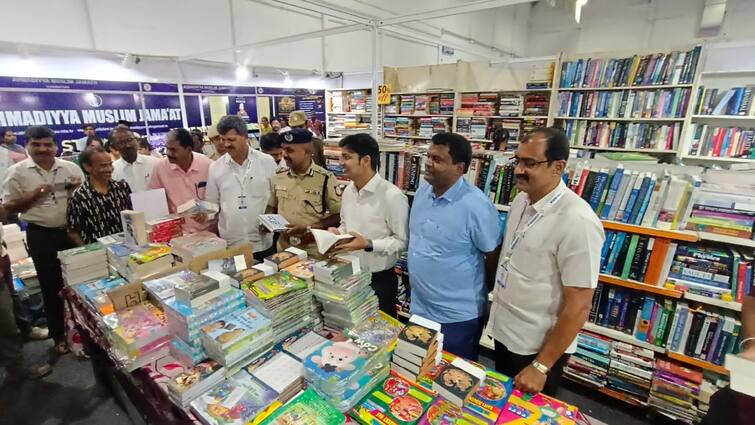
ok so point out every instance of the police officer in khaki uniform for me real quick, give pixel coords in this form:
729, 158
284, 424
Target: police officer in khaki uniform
307, 195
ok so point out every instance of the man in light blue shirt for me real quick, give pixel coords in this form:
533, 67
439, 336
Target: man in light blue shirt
452, 225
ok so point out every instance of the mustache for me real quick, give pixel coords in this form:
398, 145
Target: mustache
521, 176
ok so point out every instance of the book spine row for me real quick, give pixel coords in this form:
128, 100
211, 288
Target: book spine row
625, 104
721, 142
625, 135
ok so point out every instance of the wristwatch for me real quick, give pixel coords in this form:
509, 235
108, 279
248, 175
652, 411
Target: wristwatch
540, 367
369, 248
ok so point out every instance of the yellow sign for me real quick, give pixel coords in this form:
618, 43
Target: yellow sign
384, 94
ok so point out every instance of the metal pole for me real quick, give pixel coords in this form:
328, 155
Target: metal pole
375, 68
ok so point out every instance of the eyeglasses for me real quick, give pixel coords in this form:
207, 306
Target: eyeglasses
526, 162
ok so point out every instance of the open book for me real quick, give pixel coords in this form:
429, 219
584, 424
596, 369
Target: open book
325, 240
196, 207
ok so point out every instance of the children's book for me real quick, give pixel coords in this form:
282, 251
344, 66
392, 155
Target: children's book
525, 408
307, 408
235, 401
395, 401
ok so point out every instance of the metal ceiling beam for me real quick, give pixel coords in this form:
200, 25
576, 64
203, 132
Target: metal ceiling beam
90, 23
473, 6
403, 33
326, 10
281, 40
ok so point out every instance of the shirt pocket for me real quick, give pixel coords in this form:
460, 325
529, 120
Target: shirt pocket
532, 262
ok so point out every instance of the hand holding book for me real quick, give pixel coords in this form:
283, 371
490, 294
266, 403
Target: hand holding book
356, 243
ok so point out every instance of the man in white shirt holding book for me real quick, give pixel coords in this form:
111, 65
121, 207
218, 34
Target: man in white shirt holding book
548, 268
134, 168
376, 213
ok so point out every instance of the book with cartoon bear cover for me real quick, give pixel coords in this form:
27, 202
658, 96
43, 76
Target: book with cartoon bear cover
338, 362
395, 401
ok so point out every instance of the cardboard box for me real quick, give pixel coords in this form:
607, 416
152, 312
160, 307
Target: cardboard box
133, 293
200, 263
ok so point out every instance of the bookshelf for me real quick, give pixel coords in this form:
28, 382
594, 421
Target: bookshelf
417, 116
640, 286
347, 111
680, 235
632, 102
621, 336
699, 363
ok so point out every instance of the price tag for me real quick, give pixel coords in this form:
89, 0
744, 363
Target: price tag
384, 94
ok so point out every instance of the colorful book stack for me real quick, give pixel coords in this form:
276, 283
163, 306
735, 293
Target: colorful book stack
633, 197
418, 348
485, 405
235, 401
302, 343
95, 294
675, 390
137, 334
541, 76
654, 69
637, 257
630, 371
194, 381
510, 105
165, 229
536, 104
162, 289
733, 101
458, 381
403, 126
623, 135
721, 142
635, 313
407, 104
395, 401
724, 210
702, 334
83, 264
285, 299
307, 407
346, 301
194, 290
186, 248
389, 126
284, 259
667, 103
712, 271
280, 371
241, 335
589, 363
14, 240
344, 371
472, 128
482, 104
392, 107
446, 101
185, 323
147, 261
527, 408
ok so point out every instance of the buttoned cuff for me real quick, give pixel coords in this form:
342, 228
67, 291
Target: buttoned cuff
379, 245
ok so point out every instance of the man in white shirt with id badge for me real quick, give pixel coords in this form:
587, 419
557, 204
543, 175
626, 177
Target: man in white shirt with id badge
240, 183
548, 268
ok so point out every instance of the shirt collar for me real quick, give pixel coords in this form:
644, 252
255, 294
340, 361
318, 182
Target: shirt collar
192, 167
539, 206
310, 171
373, 184
452, 193
32, 164
230, 162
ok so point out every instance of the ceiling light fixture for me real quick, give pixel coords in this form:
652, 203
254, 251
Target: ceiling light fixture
242, 72
578, 5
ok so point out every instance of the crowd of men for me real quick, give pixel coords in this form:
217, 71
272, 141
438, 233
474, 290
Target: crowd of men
542, 274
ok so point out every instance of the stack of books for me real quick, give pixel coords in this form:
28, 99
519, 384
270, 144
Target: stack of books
346, 300
186, 248
162, 289
137, 334
407, 104
630, 371
241, 335
482, 104
702, 334
15, 241
459, 381
389, 126
483, 406
403, 126
541, 76
194, 290
733, 101
537, 409
306, 405
147, 261
446, 104
675, 390
95, 294
237, 400
723, 210
511, 105
284, 259
83, 264
418, 348
385, 404
280, 371
244, 278
285, 299
185, 323
302, 343
343, 371
589, 364
708, 270
536, 104
24, 271
194, 381
165, 229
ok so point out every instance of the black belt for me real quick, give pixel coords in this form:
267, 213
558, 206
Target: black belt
43, 228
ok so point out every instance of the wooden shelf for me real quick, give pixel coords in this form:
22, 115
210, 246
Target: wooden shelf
395, 136
669, 86
699, 363
349, 113
731, 240
621, 119
621, 336
419, 115
724, 117
640, 286
679, 235
612, 149
732, 73
718, 159
730, 305
515, 117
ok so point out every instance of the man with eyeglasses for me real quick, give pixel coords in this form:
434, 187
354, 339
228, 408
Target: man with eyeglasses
305, 194
548, 268
134, 168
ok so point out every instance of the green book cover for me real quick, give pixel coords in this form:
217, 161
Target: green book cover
736, 258
660, 338
501, 177
630, 256
307, 408
732, 345
603, 197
